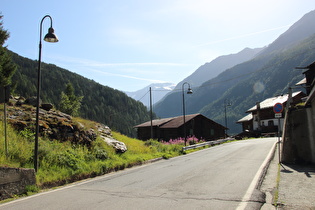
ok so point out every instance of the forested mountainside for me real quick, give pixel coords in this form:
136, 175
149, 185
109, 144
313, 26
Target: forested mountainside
100, 103
273, 78
270, 73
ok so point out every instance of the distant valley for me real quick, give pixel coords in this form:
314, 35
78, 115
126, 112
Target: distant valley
158, 91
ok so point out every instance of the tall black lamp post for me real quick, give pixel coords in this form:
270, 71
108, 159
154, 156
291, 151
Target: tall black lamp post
49, 37
189, 91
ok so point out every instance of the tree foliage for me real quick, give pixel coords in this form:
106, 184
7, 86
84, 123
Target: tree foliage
69, 102
7, 67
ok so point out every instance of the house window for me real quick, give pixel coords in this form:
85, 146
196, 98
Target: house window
270, 123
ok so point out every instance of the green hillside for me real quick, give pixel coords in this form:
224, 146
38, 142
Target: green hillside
274, 78
100, 103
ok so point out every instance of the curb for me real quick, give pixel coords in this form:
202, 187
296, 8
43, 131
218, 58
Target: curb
266, 166
153, 160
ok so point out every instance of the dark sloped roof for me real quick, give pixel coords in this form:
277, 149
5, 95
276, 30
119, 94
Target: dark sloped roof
178, 121
173, 122
157, 122
309, 67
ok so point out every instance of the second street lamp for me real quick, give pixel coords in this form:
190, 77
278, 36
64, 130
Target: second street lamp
189, 91
49, 37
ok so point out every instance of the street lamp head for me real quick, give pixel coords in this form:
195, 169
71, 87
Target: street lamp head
51, 36
189, 91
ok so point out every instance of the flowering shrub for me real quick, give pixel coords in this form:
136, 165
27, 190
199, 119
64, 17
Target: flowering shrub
174, 141
190, 140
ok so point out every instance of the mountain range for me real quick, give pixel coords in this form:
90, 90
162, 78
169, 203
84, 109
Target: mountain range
215, 67
202, 74
158, 91
271, 71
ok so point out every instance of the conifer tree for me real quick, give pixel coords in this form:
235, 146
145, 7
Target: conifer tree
7, 67
70, 103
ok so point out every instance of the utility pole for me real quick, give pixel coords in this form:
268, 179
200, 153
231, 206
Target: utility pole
151, 113
5, 131
226, 104
4, 98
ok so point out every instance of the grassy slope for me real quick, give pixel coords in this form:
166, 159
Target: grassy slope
61, 163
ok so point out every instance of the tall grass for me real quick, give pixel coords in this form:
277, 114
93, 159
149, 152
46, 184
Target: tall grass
20, 149
63, 162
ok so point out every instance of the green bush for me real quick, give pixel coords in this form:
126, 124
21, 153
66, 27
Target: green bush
68, 159
31, 189
100, 153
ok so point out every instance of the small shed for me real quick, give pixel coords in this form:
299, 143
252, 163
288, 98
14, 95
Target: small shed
171, 128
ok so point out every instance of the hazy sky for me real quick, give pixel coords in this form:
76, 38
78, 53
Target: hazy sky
129, 44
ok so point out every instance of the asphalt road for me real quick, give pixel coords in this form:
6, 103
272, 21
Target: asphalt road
221, 177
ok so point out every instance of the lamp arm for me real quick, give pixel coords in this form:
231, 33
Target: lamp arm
41, 26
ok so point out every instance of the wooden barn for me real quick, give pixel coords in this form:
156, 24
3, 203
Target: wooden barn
171, 128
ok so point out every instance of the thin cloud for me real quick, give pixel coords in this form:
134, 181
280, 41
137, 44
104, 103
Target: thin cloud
90, 63
243, 36
128, 76
135, 64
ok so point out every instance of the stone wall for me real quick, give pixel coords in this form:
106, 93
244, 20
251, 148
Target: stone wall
298, 137
14, 180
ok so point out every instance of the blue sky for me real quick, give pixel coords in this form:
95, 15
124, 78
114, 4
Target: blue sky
129, 44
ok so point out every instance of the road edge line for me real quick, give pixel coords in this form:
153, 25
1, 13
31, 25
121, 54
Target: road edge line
257, 181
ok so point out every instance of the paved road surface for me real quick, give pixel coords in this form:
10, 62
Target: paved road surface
220, 177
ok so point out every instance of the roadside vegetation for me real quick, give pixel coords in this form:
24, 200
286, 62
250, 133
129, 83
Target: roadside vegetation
63, 162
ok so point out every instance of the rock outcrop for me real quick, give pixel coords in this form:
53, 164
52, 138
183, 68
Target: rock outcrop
57, 125
105, 134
